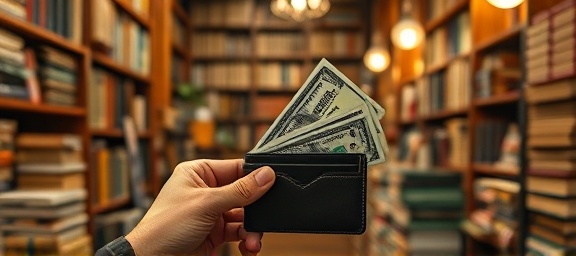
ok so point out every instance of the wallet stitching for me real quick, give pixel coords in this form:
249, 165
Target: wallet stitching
317, 179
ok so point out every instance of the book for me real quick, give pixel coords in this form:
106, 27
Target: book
554, 91
49, 141
559, 226
48, 156
551, 186
561, 207
564, 165
551, 111
79, 246
564, 240
41, 198
44, 241
552, 154
42, 212
51, 181
51, 168
48, 226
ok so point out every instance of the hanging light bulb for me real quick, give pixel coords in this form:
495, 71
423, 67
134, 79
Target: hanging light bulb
505, 4
407, 33
377, 58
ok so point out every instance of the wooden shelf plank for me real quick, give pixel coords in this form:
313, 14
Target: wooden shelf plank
437, 67
143, 21
492, 170
110, 206
279, 27
447, 15
499, 38
338, 57
503, 99
26, 106
222, 58
263, 89
445, 114
110, 64
117, 133
292, 57
337, 26
32, 31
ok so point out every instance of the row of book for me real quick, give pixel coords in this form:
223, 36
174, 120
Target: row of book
448, 41
39, 75
416, 212
445, 90
214, 44
448, 145
225, 106
235, 137
278, 75
235, 75
337, 43
280, 44
549, 44
223, 13
551, 137
439, 7
46, 214
179, 32
118, 36
8, 129
111, 170
129, 101
63, 17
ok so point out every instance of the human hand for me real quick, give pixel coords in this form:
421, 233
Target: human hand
199, 208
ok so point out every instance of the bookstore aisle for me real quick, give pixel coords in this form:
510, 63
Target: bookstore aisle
101, 99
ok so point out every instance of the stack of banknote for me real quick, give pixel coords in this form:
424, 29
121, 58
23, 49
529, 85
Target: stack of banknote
329, 113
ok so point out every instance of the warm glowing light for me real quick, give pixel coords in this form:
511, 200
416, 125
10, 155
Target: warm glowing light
407, 34
505, 4
299, 5
314, 4
377, 59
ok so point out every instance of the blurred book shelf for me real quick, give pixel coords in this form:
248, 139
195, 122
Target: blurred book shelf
247, 64
70, 71
460, 109
551, 97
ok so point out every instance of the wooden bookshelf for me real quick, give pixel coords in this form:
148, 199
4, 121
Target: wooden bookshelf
117, 133
143, 21
491, 29
28, 107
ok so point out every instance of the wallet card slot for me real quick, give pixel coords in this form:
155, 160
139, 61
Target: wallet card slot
304, 174
330, 204
335, 175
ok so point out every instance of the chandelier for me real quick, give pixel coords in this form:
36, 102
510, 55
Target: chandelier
300, 10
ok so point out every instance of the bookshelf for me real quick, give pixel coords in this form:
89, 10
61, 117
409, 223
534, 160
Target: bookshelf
251, 65
462, 37
66, 26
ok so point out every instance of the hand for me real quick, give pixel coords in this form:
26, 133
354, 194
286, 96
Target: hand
199, 208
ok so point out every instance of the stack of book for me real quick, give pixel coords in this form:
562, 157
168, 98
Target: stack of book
495, 219
551, 132
7, 131
14, 8
550, 43
13, 66
45, 222
421, 211
49, 161
58, 78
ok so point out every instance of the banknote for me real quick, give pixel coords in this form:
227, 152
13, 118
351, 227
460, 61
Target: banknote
328, 114
354, 135
326, 92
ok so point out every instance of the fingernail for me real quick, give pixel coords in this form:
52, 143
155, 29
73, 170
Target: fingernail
264, 176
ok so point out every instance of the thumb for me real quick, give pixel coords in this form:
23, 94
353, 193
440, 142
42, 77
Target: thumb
245, 190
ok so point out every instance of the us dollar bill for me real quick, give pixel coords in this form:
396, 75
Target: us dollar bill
350, 133
325, 93
354, 135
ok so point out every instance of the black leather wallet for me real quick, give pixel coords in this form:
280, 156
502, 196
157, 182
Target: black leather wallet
313, 193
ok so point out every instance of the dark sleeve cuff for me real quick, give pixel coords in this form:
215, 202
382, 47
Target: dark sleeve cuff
119, 247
